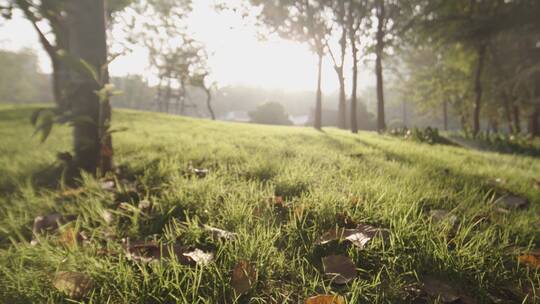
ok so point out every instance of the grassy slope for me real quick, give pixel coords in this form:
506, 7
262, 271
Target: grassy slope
397, 182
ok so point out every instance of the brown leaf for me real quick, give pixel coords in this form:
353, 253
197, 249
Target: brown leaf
75, 285
512, 202
243, 277
152, 251
439, 289
358, 237
325, 299
219, 233
70, 238
339, 268
536, 183
530, 260
49, 222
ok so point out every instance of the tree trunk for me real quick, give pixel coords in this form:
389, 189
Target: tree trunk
381, 125
354, 100
445, 115
209, 103
517, 119
342, 119
478, 89
534, 126
318, 102
507, 111
92, 142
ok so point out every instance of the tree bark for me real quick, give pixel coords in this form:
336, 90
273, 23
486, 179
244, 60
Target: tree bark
507, 111
318, 101
445, 115
381, 124
534, 125
517, 119
354, 99
92, 142
209, 103
478, 89
342, 121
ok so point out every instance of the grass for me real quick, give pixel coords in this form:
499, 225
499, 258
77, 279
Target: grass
326, 176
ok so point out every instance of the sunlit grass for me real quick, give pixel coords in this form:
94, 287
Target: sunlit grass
379, 180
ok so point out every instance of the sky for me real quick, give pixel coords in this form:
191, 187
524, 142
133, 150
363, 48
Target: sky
237, 55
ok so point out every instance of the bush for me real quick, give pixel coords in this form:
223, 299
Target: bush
270, 113
428, 135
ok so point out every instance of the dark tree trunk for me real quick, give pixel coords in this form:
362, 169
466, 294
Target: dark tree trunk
404, 112
381, 124
92, 142
517, 119
533, 125
318, 101
507, 111
209, 103
478, 89
168, 95
354, 100
445, 115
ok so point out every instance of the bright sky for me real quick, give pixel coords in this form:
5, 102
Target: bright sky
237, 56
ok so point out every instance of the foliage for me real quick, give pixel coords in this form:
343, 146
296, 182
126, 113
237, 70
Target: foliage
427, 135
271, 113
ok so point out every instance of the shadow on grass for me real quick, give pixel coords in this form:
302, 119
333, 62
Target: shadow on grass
504, 147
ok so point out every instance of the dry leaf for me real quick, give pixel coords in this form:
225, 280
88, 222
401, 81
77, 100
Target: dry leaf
144, 205
339, 268
219, 233
536, 183
440, 215
512, 202
75, 285
530, 260
107, 216
151, 251
326, 299
358, 237
71, 238
50, 222
200, 172
438, 289
200, 257
108, 185
243, 277
72, 192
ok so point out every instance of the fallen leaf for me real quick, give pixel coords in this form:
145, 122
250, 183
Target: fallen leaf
339, 268
144, 205
530, 260
359, 236
152, 251
49, 222
325, 299
439, 289
219, 233
71, 238
107, 216
75, 285
200, 257
536, 183
243, 277
440, 215
512, 202
200, 172
108, 185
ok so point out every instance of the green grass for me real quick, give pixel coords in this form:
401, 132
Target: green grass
396, 182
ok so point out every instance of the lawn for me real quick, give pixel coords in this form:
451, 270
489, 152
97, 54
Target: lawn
279, 190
